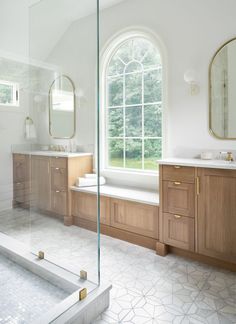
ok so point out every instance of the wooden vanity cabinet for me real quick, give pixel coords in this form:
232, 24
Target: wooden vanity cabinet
217, 214
198, 211
177, 196
48, 181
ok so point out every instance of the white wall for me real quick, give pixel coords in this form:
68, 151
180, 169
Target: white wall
13, 39
14, 26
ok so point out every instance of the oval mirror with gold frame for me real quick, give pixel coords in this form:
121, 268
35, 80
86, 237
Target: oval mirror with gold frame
222, 92
62, 110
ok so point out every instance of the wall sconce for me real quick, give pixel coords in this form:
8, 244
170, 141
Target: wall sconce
191, 79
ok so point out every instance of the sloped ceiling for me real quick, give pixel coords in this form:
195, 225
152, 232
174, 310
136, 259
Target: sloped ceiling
49, 20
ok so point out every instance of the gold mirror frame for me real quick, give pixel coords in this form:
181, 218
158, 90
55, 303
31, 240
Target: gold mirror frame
49, 105
210, 88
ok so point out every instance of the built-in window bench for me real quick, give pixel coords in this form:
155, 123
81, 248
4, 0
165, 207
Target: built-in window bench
128, 214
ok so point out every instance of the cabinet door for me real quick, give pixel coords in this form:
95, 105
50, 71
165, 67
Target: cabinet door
58, 202
179, 198
58, 178
21, 170
85, 206
217, 214
134, 217
178, 231
19, 192
41, 183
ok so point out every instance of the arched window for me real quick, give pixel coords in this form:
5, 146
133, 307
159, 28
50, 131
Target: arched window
133, 106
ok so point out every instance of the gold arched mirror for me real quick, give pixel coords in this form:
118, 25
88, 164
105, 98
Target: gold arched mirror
222, 92
62, 108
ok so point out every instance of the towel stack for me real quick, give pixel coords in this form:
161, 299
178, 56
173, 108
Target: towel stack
89, 179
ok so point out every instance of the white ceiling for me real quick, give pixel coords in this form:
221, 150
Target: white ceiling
49, 20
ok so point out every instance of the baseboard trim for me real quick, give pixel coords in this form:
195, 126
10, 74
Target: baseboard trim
203, 258
120, 234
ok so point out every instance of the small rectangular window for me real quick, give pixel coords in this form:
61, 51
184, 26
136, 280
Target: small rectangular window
9, 93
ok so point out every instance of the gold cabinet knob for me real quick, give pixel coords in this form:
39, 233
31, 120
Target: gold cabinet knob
177, 216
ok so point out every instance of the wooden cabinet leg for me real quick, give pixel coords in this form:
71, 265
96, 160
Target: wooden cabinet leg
68, 220
161, 249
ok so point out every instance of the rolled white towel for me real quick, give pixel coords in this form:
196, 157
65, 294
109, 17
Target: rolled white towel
89, 182
91, 175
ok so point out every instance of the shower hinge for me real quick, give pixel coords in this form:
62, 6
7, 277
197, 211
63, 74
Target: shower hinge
41, 255
83, 274
83, 294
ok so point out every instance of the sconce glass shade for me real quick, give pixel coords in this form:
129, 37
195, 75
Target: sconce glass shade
190, 76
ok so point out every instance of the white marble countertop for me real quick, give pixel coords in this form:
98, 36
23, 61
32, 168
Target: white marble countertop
53, 153
215, 164
136, 195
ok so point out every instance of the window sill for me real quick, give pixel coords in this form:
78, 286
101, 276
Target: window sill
144, 180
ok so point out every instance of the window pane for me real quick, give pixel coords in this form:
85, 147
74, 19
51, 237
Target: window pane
115, 91
152, 152
152, 86
125, 52
133, 67
133, 121
115, 122
116, 153
133, 153
153, 121
152, 58
115, 66
133, 89
141, 47
6, 94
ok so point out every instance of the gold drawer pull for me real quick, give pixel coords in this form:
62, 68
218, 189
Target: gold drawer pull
177, 167
177, 183
177, 216
57, 168
57, 191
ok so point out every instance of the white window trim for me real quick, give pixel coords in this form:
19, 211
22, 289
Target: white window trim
109, 49
16, 99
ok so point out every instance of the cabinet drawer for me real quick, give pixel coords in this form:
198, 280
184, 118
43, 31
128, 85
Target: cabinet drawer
58, 162
134, 217
58, 178
178, 173
178, 231
179, 198
59, 202
85, 206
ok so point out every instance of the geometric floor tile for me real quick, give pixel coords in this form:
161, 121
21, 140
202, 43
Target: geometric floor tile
146, 288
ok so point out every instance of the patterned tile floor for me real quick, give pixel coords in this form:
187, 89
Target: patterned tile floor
24, 297
146, 288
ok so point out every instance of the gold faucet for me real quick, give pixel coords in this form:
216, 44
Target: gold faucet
229, 157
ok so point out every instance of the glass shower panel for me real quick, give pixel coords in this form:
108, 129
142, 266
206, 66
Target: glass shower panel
63, 105
49, 191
